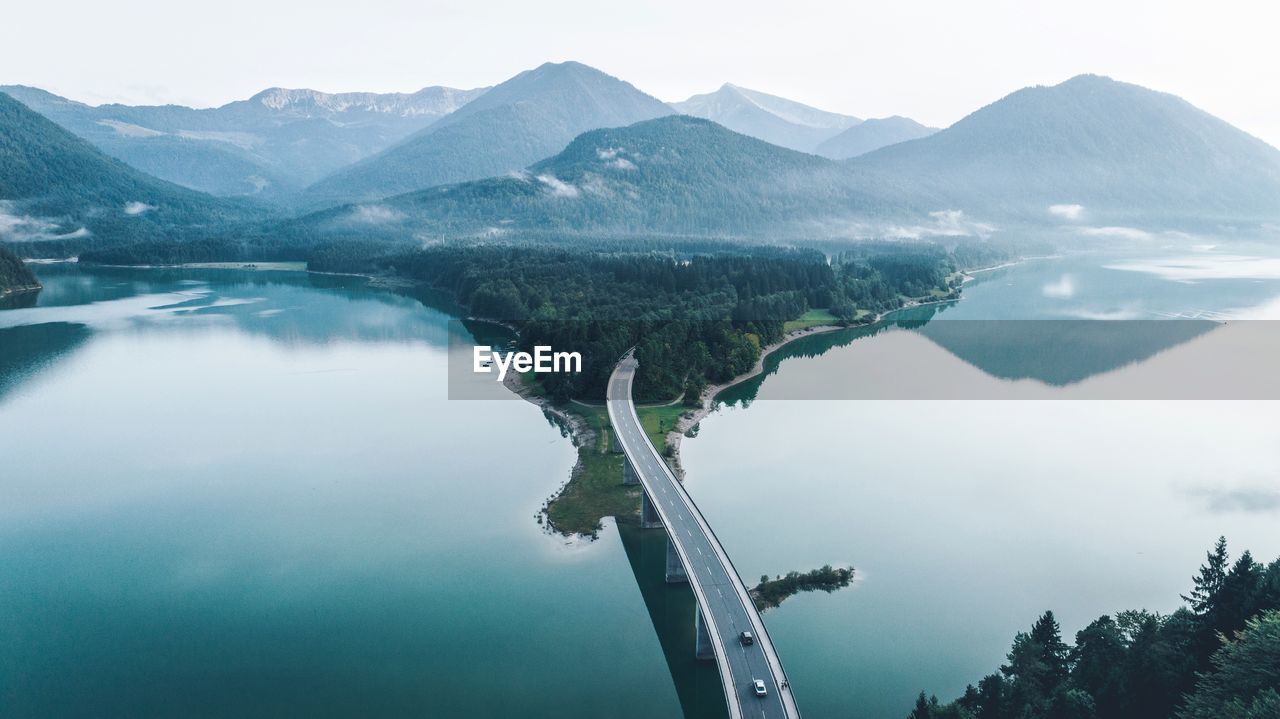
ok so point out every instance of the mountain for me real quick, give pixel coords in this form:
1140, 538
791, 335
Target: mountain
675, 175
871, 135
15, 276
525, 119
1118, 151
769, 118
56, 186
274, 143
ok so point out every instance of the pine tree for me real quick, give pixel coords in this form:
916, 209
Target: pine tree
922, 708
1237, 600
1053, 651
1209, 581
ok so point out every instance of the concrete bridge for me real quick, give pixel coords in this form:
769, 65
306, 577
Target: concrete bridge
694, 555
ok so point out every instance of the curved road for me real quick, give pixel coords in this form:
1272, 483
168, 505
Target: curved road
726, 607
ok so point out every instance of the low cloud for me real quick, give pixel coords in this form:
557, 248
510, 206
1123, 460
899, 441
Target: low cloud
612, 157
1250, 500
943, 223
557, 187
137, 208
1064, 288
1067, 212
18, 226
375, 215
1117, 232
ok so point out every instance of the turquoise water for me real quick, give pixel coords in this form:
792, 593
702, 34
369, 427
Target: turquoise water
237, 494
233, 493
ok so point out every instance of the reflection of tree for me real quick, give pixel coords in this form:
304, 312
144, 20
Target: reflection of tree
28, 350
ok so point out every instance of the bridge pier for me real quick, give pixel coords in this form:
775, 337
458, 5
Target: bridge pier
649, 518
615, 444
702, 648
675, 568
629, 475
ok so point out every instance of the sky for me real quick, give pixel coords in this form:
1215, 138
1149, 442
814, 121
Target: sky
932, 60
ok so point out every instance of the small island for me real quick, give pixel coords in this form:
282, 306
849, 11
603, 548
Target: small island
770, 593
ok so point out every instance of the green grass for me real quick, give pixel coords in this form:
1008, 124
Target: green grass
595, 490
812, 318
658, 420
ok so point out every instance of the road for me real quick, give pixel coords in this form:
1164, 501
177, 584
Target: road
726, 606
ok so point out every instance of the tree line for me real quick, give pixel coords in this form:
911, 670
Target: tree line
1218, 657
693, 318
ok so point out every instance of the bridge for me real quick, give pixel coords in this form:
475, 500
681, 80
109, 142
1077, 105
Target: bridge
694, 555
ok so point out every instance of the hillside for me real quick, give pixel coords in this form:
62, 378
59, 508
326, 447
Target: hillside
766, 117
56, 186
270, 145
1119, 151
676, 175
525, 119
15, 276
871, 135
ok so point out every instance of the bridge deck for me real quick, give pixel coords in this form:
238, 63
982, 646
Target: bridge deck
726, 606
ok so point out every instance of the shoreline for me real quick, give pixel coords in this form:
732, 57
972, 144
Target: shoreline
10, 291
581, 435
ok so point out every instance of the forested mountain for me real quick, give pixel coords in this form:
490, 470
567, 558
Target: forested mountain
525, 119
14, 274
871, 135
1122, 152
56, 186
767, 117
675, 175
276, 142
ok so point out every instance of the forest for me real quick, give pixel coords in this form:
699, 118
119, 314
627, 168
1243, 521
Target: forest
14, 273
694, 318
1218, 657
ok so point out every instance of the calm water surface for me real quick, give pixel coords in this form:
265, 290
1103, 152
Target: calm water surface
967, 519
245, 494
238, 494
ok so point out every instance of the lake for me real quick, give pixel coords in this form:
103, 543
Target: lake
245, 494
230, 493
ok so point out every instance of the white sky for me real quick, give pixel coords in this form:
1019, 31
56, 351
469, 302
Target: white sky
933, 60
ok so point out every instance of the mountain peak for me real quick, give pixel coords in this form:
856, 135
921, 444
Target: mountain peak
512, 125
767, 117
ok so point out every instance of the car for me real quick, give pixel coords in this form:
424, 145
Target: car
758, 686
747, 638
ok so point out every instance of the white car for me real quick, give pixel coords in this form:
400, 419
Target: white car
758, 686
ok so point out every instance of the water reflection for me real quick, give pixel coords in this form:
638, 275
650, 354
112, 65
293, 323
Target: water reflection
284, 307
28, 350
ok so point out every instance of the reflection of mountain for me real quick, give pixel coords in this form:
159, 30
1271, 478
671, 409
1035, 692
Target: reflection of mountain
28, 350
1056, 352
1059, 352
290, 308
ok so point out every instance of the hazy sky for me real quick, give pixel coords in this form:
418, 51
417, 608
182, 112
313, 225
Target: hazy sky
934, 60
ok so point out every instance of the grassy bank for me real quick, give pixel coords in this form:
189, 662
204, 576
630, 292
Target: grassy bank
595, 489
